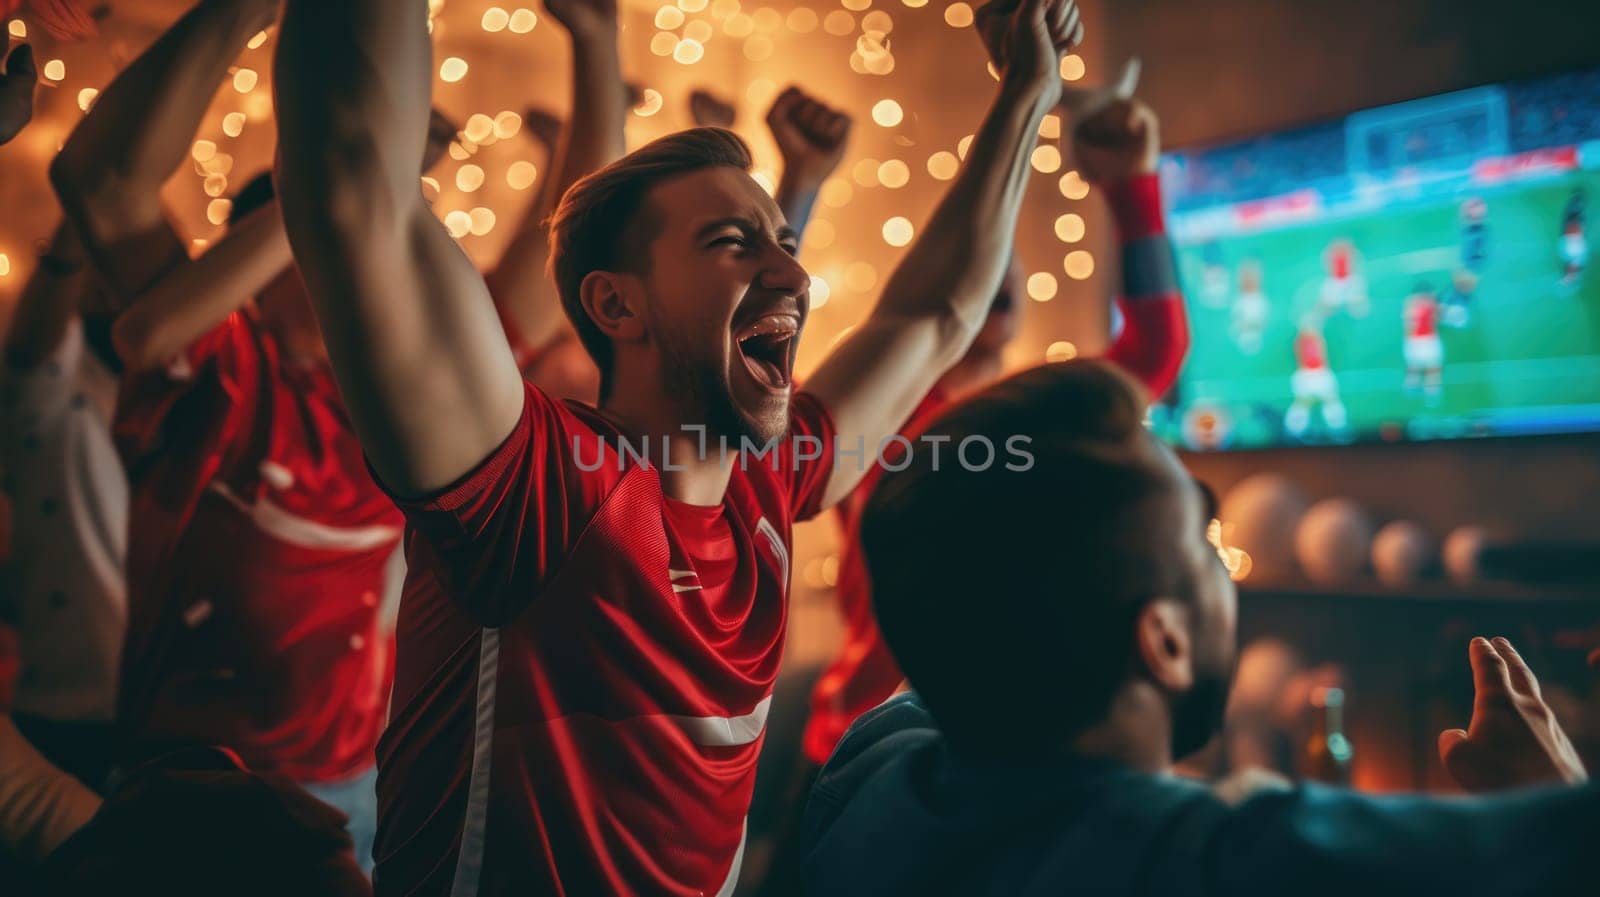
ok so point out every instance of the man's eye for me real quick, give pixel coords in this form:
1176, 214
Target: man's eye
729, 241
791, 248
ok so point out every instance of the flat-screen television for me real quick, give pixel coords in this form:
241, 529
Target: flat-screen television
1410, 272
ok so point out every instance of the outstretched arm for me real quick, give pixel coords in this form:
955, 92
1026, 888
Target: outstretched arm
189, 299
1117, 149
939, 295
110, 172
420, 356
521, 288
812, 139
48, 302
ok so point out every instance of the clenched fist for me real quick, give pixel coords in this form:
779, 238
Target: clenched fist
810, 135
1118, 142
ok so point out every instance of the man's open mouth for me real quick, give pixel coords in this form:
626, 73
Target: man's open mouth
767, 345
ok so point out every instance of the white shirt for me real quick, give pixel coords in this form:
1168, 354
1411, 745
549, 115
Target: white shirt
70, 517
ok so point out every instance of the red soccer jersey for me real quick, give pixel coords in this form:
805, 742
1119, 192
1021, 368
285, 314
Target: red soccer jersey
1310, 351
256, 559
586, 665
1422, 319
1152, 346
1339, 263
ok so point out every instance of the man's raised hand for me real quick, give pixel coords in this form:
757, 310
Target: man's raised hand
810, 135
1514, 739
16, 89
710, 112
1027, 38
1120, 141
585, 18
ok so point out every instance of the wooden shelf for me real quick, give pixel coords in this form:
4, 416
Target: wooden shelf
1429, 591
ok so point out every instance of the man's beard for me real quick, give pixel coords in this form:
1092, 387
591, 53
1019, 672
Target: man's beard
1197, 714
703, 390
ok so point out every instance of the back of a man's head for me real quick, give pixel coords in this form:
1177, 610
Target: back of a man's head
1008, 591
604, 223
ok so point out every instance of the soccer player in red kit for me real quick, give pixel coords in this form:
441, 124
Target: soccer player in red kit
1424, 350
1345, 288
588, 639
1313, 382
1117, 149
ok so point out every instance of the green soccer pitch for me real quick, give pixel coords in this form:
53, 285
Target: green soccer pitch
1529, 355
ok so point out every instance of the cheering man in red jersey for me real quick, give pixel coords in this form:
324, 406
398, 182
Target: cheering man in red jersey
259, 549
1117, 149
588, 639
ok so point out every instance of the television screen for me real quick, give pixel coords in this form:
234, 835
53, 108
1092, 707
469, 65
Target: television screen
1417, 271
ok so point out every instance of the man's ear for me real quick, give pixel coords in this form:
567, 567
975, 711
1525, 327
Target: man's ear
609, 301
1161, 634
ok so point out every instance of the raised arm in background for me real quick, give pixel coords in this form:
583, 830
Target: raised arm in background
939, 295
110, 172
812, 139
419, 353
16, 89
593, 138
48, 303
1117, 149
191, 298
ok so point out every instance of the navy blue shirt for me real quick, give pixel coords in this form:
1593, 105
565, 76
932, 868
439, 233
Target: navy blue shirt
893, 813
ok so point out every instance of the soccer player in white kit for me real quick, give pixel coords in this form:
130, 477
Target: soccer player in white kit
1249, 309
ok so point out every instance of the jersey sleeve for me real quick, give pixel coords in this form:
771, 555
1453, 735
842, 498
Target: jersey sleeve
811, 433
1317, 840
498, 535
1155, 337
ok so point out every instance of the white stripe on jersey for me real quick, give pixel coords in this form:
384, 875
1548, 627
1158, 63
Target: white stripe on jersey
296, 530
723, 731
475, 823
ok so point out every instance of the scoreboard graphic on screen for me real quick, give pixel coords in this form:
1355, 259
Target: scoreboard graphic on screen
1416, 271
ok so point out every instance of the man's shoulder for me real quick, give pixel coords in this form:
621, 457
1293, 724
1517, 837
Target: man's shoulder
875, 740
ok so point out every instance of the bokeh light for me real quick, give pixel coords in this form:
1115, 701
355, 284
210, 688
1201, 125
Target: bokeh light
1070, 228
894, 174
897, 231
453, 69
1079, 264
1060, 351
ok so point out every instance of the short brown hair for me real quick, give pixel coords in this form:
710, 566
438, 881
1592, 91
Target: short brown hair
995, 586
602, 222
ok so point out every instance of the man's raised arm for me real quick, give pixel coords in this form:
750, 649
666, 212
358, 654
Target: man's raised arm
1118, 148
420, 356
593, 139
939, 295
109, 173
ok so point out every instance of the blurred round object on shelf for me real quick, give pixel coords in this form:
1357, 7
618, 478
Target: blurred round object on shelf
1265, 668
1461, 551
1401, 551
1260, 515
1333, 540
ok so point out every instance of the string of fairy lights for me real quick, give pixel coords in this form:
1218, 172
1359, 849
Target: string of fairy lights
866, 212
